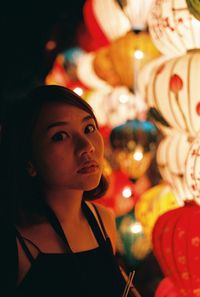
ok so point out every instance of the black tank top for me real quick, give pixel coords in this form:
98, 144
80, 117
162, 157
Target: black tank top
91, 273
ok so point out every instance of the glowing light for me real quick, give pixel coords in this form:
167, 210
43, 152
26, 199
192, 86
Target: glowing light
138, 155
138, 54
127, 192
78, 91
136, 228
50, 45
123, 98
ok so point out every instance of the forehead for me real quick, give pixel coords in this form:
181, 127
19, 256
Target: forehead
57, 111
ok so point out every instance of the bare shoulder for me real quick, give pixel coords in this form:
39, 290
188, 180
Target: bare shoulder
108, 218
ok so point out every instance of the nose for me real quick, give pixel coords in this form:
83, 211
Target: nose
84, 145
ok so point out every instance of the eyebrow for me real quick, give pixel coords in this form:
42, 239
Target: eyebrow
63, 123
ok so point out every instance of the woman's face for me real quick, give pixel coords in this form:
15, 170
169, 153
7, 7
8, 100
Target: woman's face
67, 148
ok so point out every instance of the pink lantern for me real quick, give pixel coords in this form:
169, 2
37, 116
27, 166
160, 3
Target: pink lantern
171, 157
173, 29
174, 92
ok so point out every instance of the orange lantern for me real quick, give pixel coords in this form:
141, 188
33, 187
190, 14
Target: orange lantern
173, 29
174, 92
176, 244
124, 57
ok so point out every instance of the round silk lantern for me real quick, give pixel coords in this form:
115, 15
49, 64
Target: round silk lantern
133, 145
121, 194
171, 156
120, 63
194, 8
131, 241
173, 29
174, 92
136, 12
154, 202
176, 245
193, 169
109, 17
166, 289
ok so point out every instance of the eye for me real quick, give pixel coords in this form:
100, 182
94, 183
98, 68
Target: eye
90, 128
60, 136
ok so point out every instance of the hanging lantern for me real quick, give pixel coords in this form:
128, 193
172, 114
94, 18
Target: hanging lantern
152, 203
120, 63
121, 194
173, 29
174, 92
87, 75
171, 157
109, 17
176, 244
193, 169
136, 12
131, 241
194, 8
57, 75
133, 145
166, 289
116, 106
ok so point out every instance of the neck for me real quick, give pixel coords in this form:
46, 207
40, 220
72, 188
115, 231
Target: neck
66, 205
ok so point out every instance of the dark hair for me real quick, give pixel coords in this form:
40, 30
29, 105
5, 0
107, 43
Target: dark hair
19, 192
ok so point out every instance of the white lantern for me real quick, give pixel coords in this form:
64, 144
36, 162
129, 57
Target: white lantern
173, 29
172, 152
87, 75
174, 92
136, 12
113, 22
193, 169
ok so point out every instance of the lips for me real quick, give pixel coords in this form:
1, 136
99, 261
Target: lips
89, 167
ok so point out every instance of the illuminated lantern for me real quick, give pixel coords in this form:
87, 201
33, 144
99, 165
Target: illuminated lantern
176, 245
120, 63
121, 194
172, 28
166, 289
116, 106
87, 75
193, 169
57, 75
131, 241
171, 153
152, 203
174, 92
194, 8
109, 17
136, 12
133, 145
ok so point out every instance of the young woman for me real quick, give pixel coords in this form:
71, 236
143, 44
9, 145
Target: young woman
56, 242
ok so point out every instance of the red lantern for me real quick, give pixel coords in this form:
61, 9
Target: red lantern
176, 244
166, 289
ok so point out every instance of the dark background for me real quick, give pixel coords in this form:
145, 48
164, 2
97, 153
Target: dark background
25, 29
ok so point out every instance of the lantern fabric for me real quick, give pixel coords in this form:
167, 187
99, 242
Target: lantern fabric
136, 12
172, 28
119, 61
110, 19
171, 156
174, 92
166, 289
193, 169
176, 245
152, 203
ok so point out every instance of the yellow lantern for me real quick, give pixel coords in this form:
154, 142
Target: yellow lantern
174, 92
171, 157
152, 204
173, 29
120, 63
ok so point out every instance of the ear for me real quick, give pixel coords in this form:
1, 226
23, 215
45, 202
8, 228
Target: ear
31, 169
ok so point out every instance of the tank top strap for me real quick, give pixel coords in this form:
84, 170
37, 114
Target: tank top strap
94, 225
24, 247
